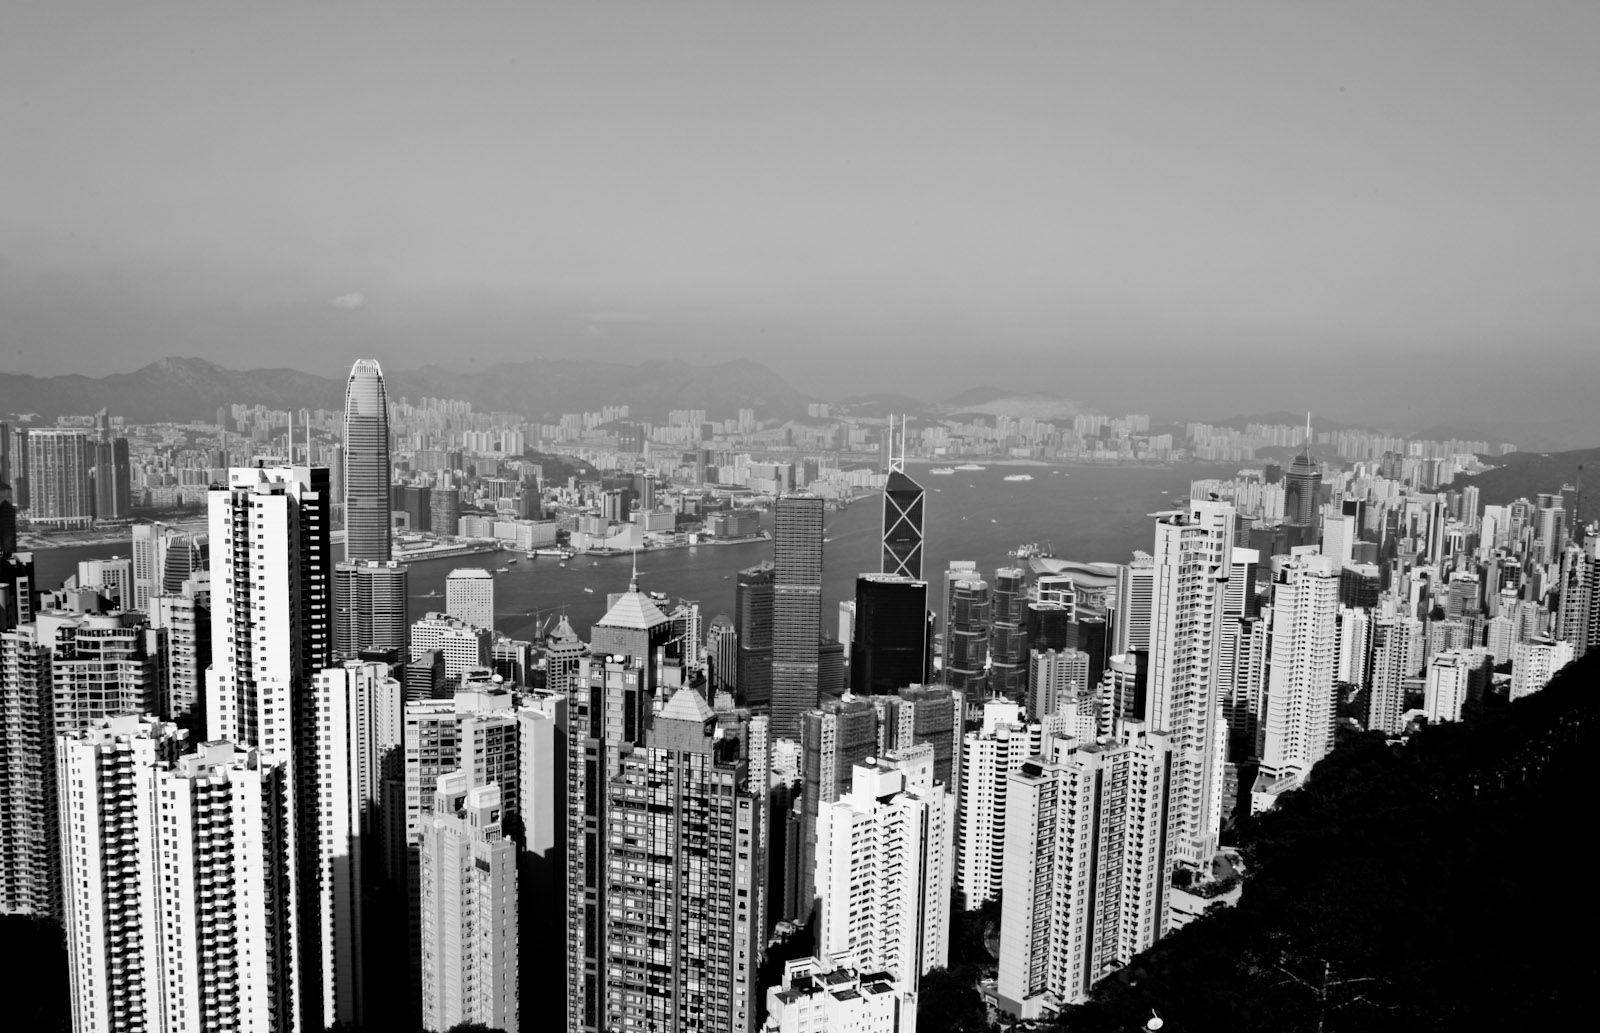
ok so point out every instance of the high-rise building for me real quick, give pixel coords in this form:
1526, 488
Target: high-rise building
903, 500
366, 464
444, 514
988, 756
815, 997
1302, 489
1397, 657
111, 477
752, 625
1455, 678
1008, 643
29, 844
834, 737
966, 633
665, 921
884, 866
1302, 662
1535, 663
465, 646
1057, 678
924, 715
468, 886
60, 489
796, 609
163, 559
112, 578
893, 634
1135, 604
1193, 554
469, 596
369, 607
722, 654
1086, 866
185, 618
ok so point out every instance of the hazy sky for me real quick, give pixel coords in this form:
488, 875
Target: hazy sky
1205, 207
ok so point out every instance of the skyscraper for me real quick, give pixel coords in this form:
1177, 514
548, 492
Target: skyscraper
163, 558
893, 634
366, 464
796, 609
903, 500
988, 756
834, 737
1302, 488
1135, 602
1192, 555
469, 910
60, 489
1086, 866
369, 607
469, 596
966, 633
752, 625
1302, 662
1008, 643
185, 617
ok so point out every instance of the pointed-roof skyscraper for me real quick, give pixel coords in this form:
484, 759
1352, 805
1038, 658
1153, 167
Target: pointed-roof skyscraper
902, 514
366, 464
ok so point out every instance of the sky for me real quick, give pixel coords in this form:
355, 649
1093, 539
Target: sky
1202, 209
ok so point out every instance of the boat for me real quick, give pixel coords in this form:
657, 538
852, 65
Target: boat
943, 471
1019, 477
502, 570
562, 563
588, 589
514, 559
971, 466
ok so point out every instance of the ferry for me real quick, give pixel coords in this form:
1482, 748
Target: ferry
502, 570
1019, 476
514, 559
589, 590
971, 466
943, 471
554, 550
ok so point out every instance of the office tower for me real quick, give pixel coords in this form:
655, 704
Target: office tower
664, 885
1577, 618
1057, 678
369, 607
564, 651
1302, 488
1535, 663
163, 559
903, 500
816, 997
1339, 530
444, 512
465, 646
893, 635
60, 492
16, 473
966, 634
185, 617
884, 866
112, 578
924, 715
1360, 584
469, 596
1086, 868
469, 910
988, 756
366, 464
111, 478
424, 676
1135, 603
1193, 553
635, 627
796, 609
752, 625
834, 737
416, 502
271, 631
1008, 644
1050, 625
1396, 658
1302, 661
722, 654
1455, 678
180, 906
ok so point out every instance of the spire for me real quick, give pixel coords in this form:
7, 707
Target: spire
633, 582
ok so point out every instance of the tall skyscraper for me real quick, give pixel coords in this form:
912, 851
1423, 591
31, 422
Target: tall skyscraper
469, 596
369, 607
988, 756
1302, 662
1193, 552
1135, 604
834, 737
468, 885
1008, 642
1397, 646
752, 625
1302, 488
664, 886
796, 609
966, 633
1086, 867
366, 464
903, 500
185, 618
60, 488
893, 634
884, 866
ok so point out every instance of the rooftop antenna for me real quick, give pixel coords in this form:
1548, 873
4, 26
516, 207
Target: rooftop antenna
633, 582
897, 459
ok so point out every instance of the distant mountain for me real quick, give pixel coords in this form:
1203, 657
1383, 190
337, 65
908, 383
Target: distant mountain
1283, 417
1525, 474
188, 388
883, 404
998, 401
170, 389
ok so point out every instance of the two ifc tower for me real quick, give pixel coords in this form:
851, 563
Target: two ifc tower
366, 464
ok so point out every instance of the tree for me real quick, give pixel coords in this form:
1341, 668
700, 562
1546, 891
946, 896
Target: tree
949, 1002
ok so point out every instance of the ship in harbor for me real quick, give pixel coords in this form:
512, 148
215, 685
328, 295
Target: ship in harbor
943, 471
971, 466
1019, 477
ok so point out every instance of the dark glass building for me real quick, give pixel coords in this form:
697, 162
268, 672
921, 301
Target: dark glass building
752, 626
893, 645
796, 609
903, 500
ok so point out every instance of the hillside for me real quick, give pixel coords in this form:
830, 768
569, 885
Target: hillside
189, 388
1433, 886
1524, 474
997, 401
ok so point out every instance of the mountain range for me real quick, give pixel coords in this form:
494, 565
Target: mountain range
180, 389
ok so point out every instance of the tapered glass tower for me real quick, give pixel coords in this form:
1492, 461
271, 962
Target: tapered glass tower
366, 464
902, 515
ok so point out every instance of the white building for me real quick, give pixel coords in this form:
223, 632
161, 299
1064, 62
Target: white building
1535, 663
464, 645
1454, 677
1086, 869
469, 596
177, 888
817, 998
1396, 657
469, 910
1193, 556
1303, 659
1056, 677
988, 756
884, 866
